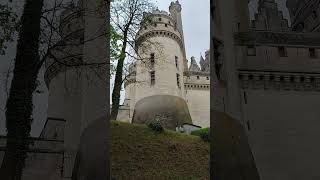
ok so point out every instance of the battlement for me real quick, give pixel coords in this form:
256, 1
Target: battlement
276, 80
197, 80
162, 12
159, 20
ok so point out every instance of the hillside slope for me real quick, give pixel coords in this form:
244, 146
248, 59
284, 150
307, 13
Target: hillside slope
138, 153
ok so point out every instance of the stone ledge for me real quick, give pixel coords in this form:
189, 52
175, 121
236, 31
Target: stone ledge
294, 81
286, 39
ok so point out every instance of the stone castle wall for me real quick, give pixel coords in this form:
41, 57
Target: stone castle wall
282, 128
198, 97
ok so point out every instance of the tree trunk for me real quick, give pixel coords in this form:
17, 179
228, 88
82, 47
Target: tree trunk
118, 80
117, 86
19, 105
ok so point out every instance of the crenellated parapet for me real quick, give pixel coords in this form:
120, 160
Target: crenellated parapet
158, 24
159, 33
68, 52
197, 80
273, 80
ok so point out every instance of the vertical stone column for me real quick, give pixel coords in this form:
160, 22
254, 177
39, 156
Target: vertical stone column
231, 157
94, 78
175, 11
234, 18
90, 102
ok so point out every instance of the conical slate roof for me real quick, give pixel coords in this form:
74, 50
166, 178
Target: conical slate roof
194, 66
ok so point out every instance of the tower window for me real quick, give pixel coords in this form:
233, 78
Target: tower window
159, 19
176, 61
282, 52
207, 78
152, 59
152, 77
166, 25
178, 80
312, 53
155, 24
251, 51
198, 77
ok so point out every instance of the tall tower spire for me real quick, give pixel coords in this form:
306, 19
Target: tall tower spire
175, 12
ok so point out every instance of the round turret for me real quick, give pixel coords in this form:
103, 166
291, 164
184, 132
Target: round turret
159, 69
59, 75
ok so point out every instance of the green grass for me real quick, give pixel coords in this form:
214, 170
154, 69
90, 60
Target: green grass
139, 153
203, 133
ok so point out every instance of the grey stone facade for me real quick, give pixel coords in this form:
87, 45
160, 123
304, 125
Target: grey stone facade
268, 81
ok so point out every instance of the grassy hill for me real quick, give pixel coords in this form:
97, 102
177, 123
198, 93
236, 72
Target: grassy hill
138, 153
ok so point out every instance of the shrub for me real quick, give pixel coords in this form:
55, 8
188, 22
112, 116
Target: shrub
203, 133
156, 126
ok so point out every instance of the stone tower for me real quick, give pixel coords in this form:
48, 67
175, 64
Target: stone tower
159, 87
77, 87
175, 12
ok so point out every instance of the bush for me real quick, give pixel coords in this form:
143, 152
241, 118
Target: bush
156, 126
203, 133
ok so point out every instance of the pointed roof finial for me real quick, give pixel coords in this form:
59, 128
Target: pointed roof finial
194, 65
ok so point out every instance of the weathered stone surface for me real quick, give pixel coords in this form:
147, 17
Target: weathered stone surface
172, 110
231, 157
92, 159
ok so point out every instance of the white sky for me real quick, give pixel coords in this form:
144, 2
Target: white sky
196, 24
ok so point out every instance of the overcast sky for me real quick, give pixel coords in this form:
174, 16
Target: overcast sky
195, 16
196, 24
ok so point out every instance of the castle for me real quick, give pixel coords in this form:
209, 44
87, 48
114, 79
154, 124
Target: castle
267, 76
160, 81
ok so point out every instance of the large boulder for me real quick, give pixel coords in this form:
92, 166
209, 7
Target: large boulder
171, 110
